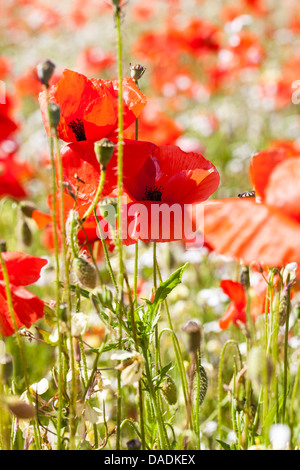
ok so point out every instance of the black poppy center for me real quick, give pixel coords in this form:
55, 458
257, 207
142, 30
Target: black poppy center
153, 194
77, 127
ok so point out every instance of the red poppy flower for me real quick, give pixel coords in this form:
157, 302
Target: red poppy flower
7, 124
87, 235
169, 180
23, 270
5, 67
13, 173
236, 310
89, 108
93, 60
201, 37
265, 230
152, 175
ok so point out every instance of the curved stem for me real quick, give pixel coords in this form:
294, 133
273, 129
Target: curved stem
220, 383
98, 194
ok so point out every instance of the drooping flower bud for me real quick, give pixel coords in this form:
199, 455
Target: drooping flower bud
3, 246
193, 328
134, 444
27, 208
245, 277
116, 3
20, 408
169, 390
45, 71
137, 71
85, 272
104, 150
54, 111
26, 235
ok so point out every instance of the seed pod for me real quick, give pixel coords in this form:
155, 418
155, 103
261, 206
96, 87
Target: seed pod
104, 150
169, 390
20, 408
85, 273
26, 235
137, 71
45, 71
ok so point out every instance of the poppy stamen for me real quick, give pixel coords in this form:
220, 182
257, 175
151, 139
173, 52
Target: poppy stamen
77, 127
153, 194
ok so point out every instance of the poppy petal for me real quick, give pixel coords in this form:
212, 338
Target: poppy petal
27, 308
283, 189
261, 166
249, 231
22, 269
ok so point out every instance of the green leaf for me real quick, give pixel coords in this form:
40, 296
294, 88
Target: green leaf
46, 336
272, 413
162, 292
224, 445
50, 315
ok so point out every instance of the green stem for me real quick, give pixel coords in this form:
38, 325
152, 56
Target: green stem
73, 397
285, 367
177, 350
57, 272
120, 185
112, 276
160, 423
98, 194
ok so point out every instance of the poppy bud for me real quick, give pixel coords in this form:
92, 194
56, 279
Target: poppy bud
63, 311
27, 208
20, 408
116, 3
137, 71
3, 246
26, 235
193, 328
134, 444
7, 366
283, 307
45, 71
203, 385
297, 310
54, 111
169, 390
104, 150
85, 273
245, 277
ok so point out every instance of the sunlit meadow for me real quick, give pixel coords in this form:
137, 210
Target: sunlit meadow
149, 225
